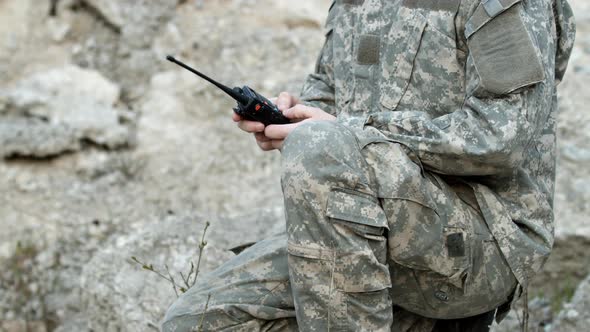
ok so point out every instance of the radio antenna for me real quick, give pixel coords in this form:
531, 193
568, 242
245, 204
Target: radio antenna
231, 92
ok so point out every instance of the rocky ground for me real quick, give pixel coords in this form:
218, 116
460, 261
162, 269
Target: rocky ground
107, 152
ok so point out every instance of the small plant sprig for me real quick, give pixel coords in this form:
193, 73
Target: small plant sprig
200, 328
188, 280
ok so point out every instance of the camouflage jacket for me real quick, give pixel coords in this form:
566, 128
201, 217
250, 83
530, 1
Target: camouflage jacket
469, 88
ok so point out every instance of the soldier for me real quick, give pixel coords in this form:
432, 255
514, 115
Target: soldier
418, 174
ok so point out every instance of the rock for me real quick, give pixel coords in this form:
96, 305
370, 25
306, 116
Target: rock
29, 138
72, 82
540, 316
58, 29
14, 326
116, 38
22, 326
12, 31
575, 316
576, 153
134, 19
118, 295
170, 41
51, 112
112, 11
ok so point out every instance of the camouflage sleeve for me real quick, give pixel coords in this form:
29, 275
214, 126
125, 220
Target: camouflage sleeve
510, 89
318, 89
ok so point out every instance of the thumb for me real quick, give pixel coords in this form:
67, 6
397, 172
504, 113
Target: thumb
299, 112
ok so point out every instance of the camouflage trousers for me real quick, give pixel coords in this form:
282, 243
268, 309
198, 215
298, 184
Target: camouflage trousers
373, 243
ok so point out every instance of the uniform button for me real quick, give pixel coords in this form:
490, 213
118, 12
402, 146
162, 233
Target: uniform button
441, 295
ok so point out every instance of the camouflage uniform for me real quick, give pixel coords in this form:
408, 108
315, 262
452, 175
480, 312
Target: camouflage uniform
431, 195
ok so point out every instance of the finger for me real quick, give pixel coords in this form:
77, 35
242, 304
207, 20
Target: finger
279, 132
284, 101
299, 112
277, 144
236, 117
265, 146
251, 126
260, 137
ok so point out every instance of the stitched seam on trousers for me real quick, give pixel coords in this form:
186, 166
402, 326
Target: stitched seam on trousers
270, 292
332, 272
312, 253
321, 253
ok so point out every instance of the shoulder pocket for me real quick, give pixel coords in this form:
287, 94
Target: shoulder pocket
503, 51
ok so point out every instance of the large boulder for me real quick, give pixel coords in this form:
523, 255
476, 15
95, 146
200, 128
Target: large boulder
112, 11
122, 14
53, 111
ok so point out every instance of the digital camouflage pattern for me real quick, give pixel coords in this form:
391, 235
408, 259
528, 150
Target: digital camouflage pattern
361, 240
431, 196
427, 93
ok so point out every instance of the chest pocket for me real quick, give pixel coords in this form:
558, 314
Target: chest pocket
402, 44
339, 26
503, 51
422, 66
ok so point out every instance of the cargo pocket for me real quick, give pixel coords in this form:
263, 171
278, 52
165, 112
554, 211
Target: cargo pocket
362, 273
359, 259
502, 49
360, 219
402, 44
359, 212
350, 271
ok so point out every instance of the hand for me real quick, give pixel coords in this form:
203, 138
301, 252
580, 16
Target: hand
284, 101
298, 114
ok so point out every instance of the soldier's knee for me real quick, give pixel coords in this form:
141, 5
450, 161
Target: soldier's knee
314, 137
321, 150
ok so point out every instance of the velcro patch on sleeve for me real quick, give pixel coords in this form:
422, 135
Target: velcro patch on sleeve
368, 49
504, 54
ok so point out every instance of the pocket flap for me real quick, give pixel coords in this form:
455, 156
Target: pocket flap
356, 207
485, 12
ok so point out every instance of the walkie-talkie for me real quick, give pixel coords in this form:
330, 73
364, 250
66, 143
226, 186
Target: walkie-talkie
251, 105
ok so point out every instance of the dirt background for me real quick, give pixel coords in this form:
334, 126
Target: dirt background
108, 151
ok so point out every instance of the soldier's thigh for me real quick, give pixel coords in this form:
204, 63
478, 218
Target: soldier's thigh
250, 292
444, 262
